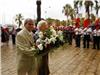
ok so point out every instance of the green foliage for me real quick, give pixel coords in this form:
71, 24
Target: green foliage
69, 11
76, 4
57, 22
66, 9
48, 33
87, 5
19, 19
92, 17
63, 23
50, 20
68, 22
97, 7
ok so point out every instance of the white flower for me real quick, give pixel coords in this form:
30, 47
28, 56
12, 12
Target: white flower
89, 30
47, 41
39, 41
61, 38
53, 31
53, 39
40, 46
60, 34
40, 34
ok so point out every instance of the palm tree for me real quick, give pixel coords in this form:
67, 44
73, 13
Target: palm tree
19, 19
67, 9
72, 13
93, 17
80, 3
97, 7
76, 3
88, 4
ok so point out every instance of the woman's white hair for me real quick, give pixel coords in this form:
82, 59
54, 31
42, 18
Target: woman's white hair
41, 23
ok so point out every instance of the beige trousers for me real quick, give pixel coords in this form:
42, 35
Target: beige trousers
27, 67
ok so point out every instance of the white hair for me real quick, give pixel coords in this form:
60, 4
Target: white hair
41, 23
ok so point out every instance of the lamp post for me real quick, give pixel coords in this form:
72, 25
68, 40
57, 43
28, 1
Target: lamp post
38, 2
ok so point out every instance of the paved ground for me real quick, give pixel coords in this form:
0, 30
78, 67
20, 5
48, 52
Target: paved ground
8, 60
66, 60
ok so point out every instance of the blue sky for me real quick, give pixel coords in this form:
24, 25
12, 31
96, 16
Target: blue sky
49, 8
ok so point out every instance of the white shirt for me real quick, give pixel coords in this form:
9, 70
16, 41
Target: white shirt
89, 30
78, 31
98, 32
94, 32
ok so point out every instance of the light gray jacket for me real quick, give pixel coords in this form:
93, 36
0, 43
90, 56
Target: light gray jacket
25, 43
25, 49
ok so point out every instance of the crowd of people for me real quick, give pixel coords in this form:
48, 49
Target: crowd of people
7, 34
86, 35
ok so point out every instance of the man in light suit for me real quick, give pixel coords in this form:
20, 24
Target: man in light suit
26, 49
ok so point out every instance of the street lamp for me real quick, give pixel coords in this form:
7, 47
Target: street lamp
38, 2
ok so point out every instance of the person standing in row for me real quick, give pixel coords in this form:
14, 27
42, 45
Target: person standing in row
96, 38
86, 37
77, 36
70, 34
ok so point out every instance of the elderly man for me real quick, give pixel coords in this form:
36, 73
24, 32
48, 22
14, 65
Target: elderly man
26, 49
43, 68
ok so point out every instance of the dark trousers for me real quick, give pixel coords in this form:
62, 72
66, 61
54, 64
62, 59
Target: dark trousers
98, 42
94, 42
70, 37
13, 39
77, 40
86, 41
44, 68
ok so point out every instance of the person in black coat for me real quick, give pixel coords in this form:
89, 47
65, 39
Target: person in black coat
13, 33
